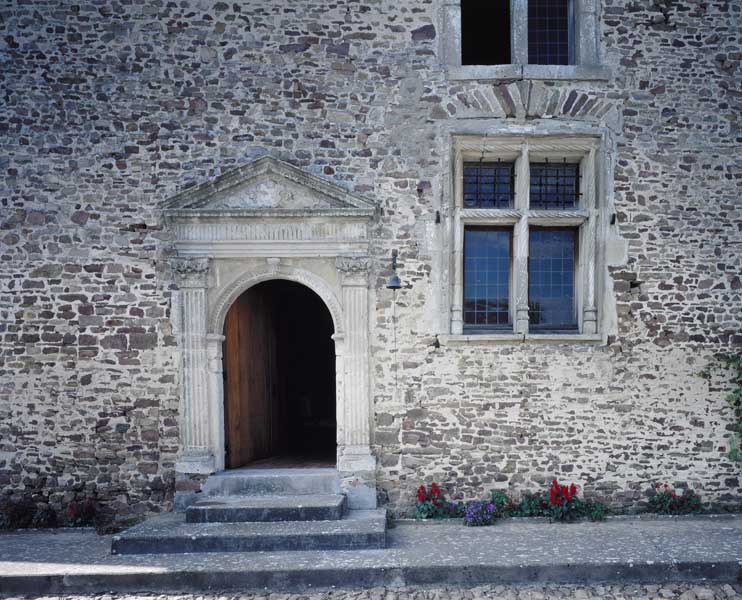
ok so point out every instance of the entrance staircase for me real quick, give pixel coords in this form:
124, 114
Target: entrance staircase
246, 510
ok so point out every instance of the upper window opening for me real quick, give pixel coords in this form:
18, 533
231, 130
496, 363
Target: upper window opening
555, 186
550, 32
485, 32
489, 184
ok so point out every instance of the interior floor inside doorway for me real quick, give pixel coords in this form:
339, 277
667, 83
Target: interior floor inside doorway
312, 461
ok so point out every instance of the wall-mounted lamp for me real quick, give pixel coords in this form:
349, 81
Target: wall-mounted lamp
393, 282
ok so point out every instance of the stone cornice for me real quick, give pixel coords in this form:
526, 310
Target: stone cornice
265, 213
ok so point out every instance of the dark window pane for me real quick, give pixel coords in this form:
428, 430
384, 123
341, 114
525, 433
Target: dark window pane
551, 288
554, 185
487, 277
548, 32
488, 184
485, 32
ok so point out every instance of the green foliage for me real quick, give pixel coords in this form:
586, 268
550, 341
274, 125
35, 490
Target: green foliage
666, 502
531, 505
456, 510
732, 364
501, 503
595, 511
45, 517
538, 505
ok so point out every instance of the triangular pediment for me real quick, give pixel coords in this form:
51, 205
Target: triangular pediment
268, 186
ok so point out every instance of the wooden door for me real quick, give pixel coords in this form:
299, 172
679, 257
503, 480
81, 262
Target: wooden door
250, 379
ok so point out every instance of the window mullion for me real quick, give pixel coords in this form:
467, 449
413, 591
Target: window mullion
520, 243
587, 276
519, 31
457, 319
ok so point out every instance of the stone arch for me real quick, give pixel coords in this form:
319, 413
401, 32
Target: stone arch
315, 283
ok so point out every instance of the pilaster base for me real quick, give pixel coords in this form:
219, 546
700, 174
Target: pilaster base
196, 463
357, 469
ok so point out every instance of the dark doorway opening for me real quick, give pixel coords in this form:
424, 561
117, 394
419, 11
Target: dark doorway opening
279, 377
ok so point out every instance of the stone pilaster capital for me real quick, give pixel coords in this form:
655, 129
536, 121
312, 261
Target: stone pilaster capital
191, 272
353, 270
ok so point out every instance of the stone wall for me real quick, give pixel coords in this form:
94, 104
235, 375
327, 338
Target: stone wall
111, 107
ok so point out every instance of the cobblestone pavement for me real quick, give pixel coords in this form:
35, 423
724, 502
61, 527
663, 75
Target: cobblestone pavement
610, 592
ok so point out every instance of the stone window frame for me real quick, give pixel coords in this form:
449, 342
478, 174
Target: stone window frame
590, 217
586, 47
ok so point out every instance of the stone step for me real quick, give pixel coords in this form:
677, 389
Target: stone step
170, 534
232, 509
281, 482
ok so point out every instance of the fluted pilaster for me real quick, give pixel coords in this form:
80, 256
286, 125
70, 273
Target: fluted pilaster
196, 430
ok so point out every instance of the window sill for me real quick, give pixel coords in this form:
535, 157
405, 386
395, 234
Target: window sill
550, 72
512, 338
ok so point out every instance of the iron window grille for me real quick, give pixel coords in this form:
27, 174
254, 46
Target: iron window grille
554, 186
489, 184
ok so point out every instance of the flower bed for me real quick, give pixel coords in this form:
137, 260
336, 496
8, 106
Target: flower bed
562, 504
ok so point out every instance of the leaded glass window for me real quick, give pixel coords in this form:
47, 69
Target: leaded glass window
551, 279
487, 276
549, 31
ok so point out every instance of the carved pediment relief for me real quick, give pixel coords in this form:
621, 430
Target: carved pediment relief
268, 186
267, 192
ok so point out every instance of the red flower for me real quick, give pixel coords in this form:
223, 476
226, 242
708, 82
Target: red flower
657, 486
435, 491
666, 486
421, 495
573, 490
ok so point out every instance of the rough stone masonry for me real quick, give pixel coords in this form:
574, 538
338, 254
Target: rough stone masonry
110, 107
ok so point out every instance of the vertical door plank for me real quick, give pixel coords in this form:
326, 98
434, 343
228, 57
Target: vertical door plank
232, 383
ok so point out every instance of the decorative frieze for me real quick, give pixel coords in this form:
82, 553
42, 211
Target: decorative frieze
261, 231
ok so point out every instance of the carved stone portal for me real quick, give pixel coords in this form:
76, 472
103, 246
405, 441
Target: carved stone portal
269, 220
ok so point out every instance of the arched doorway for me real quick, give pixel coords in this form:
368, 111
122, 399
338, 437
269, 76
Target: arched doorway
279, 378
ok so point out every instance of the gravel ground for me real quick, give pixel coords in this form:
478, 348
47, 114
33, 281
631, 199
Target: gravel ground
610, 592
